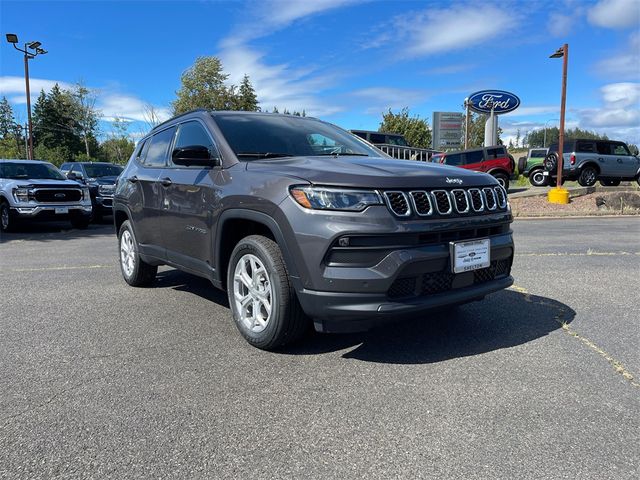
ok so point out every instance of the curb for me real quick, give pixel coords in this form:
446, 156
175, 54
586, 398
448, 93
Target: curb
577, 191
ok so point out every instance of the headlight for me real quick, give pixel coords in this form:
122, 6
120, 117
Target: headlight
85, 193
106, 189
325, 198
22, 194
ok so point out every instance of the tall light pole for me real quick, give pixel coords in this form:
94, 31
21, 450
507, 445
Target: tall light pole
559, 194
31, 50
544, 142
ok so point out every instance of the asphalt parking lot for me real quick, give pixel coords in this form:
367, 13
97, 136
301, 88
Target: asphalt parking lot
98, 379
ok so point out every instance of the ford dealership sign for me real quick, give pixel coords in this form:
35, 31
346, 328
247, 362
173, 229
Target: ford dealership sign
502, 102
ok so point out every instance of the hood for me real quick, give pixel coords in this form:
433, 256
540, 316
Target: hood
110, 180
40, 182
372, 172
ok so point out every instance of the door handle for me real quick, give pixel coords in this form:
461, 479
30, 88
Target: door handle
619, 160
600, 159
166, 182
133, 179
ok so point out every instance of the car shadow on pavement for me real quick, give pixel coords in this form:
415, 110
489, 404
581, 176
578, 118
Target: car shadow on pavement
504, 319
48, 231
185, 282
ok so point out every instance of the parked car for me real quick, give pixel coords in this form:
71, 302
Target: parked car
100, 177
532, 166
395, 145
590, 160
32, 190
492, 160
300, 236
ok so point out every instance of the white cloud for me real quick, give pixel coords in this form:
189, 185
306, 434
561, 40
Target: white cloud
626, 94
624, 65
535, 110
14, 87
380, 99
559, 24
615, 13
269, 16
451, 69
127, 107
439, 30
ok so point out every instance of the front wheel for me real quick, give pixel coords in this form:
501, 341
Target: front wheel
537, 178
6, 222
588, 176
262, 299
135, 271
503, 180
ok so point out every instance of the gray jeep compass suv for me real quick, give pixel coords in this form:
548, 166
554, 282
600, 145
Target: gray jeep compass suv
302, 222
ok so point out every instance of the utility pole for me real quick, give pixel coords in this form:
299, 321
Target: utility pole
31, 50
559, 194
466, 124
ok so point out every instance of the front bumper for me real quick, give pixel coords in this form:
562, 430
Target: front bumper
104, 204
48, 212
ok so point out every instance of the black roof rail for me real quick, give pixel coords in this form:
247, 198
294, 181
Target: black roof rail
178, 116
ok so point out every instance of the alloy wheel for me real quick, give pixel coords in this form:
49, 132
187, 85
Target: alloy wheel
252, 293
127, 253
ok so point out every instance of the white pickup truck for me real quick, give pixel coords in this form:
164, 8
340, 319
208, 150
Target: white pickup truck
34, 190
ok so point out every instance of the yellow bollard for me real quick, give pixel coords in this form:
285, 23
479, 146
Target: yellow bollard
558, 195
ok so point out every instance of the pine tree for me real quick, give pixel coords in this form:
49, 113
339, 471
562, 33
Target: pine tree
246, 96
7, 120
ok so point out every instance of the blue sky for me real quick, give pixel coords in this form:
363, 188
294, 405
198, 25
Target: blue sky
345, 61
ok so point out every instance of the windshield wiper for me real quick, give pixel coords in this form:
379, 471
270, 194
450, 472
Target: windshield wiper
337, 154
263, 154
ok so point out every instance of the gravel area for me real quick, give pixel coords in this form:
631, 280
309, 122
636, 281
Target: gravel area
579, 206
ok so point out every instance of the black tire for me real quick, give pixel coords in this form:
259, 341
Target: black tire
610, 183
96, 216
502, 179
6, 222
141, 273
588, 176
286, 323
522, 164
537, 179
81, 223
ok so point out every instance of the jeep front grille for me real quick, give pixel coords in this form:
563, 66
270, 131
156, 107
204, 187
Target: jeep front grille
422, 203
458, 201
398, 203
443, 202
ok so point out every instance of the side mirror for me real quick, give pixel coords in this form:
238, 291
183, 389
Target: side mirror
72, 176
193, 155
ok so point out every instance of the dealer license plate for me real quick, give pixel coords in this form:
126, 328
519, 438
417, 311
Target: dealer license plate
62, 210
471, 255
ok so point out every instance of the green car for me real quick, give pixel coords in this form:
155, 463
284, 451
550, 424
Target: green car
532, 166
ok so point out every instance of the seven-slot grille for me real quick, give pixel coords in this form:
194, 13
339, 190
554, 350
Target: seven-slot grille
446, 202
398, 203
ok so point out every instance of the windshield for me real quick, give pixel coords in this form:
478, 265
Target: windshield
264, 136
30, 171
95, 170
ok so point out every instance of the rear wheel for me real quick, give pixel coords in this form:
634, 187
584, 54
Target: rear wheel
588, 176
610, 183
135, 271
551, 162
502, 180
262, 299
6, 222
537, 178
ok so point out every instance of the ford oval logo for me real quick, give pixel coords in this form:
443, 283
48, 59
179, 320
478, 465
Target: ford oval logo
59, 195
502, 101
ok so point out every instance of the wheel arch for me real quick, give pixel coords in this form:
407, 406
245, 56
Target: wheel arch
499, 170
236, 224
590, 163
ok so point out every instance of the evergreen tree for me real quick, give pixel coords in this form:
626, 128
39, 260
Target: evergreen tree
246, 97
7, 120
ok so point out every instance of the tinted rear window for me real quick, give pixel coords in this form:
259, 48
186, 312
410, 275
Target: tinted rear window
453, 159
474, 157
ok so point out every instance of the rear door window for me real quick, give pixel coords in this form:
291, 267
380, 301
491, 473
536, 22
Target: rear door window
157, 152
377, 138
476, 156
604, 148
585, 147
493, 153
